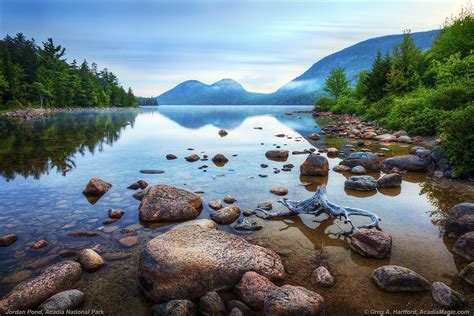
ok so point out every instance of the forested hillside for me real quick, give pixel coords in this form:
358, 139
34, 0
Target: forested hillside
39, 75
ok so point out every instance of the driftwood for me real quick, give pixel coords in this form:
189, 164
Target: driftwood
318, 205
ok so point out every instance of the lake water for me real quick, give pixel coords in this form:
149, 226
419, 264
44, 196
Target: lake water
45, 165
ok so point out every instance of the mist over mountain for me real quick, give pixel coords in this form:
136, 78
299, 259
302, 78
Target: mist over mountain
302, 90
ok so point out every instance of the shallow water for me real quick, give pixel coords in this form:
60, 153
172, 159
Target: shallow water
45, 164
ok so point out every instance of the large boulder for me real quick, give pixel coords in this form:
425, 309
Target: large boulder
63, 301
189, 261
315, 165
461, 219
361, 183
164, 203
253, 288
96, 187
406, 162
368, 160
290, 300
54, 279
371, 243
399, 279
464, 246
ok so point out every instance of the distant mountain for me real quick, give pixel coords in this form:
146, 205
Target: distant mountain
301, 90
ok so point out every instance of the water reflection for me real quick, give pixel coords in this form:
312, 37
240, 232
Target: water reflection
35, 147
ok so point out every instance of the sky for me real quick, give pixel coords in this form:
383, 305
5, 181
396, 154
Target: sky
153, 45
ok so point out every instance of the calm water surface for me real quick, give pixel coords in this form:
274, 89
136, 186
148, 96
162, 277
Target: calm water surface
45, 164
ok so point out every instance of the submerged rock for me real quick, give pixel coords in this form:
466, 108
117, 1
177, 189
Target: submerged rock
226, 215
361, 183
90, 260
7, 240
322, 277
315, 165
63, 301
391, 180
446, 296
115, 213
293, 300
393, 278
211, 304
464, 246
253, 288
163, 203
96, 187
175, 308
247, 224
461, 219
190, 261
371, 243
368, 160
40, 244
265, 206
54, 279
406, 162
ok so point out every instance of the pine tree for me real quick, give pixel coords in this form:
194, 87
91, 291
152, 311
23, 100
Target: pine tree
337, 83
376, 80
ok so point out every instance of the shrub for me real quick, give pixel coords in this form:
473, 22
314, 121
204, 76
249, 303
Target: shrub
324, 104
459, 140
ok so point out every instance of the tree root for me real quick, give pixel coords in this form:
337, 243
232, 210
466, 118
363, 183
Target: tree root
319, 204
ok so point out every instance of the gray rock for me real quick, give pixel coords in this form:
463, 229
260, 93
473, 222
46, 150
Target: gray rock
447, 297
211, 304
226, 215
358, 170
322, 277
404, 139
215, 204
468, 273
175, 308
361, 183
368, 160
293, 300
393, 278
464, 246
152, 171
231, 304
315, 165
341, 168
391, 180
461, 219
247, 224
63, 301
407, 162
265, 206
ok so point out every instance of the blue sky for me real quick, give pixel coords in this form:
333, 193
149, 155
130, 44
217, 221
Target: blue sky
154, 45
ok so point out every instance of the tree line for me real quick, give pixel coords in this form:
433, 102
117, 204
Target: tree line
147, 101
39, 75
424, 93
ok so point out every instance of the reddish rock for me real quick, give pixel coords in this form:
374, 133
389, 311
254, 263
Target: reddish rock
96, 187
290, 300
163, 203
226, 215
115, 214
391, 180
322, 277
279, 191
223, 133
464, 246
54, 279
277, 154
314, 136
7, 240
393, 278
39, 244
220, 160
253, 288
230, 199
315, 165
192, 158
171, 157
371, 243
129, 241
369, 135
90, 260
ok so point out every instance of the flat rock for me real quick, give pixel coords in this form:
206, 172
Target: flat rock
54, 279
361, 183
7, 240
279, 191
211, 304
265, 206
247, 224
277, 154
461, 219
190, 261
202, 223
468, 273
226, 215
446, 296
129, 241
464, 246
393, 278
175, 308
391, 180
368, 160
385, 138
294, 301
371, 243
322, 277
96, 187
406, 162
90, 260
16, 277
315, 165
163, 203
341, 168
253, 288
63, 301
152, 171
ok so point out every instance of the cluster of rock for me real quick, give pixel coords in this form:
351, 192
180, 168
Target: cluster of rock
32, 113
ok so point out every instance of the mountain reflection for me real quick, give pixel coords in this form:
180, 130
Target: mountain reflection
36, 147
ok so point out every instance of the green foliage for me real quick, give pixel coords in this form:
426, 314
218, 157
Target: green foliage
459, 140
373, 84
337, 83
147, 101
40, 75
324, 103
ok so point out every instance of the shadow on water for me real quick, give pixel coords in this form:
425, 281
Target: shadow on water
33, 148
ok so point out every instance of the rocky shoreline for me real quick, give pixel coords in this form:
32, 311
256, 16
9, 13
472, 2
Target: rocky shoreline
33, 113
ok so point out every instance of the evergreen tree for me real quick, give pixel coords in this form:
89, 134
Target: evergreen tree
337, 83
376, 80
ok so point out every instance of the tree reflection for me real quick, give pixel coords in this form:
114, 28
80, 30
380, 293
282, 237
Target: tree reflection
33, 148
